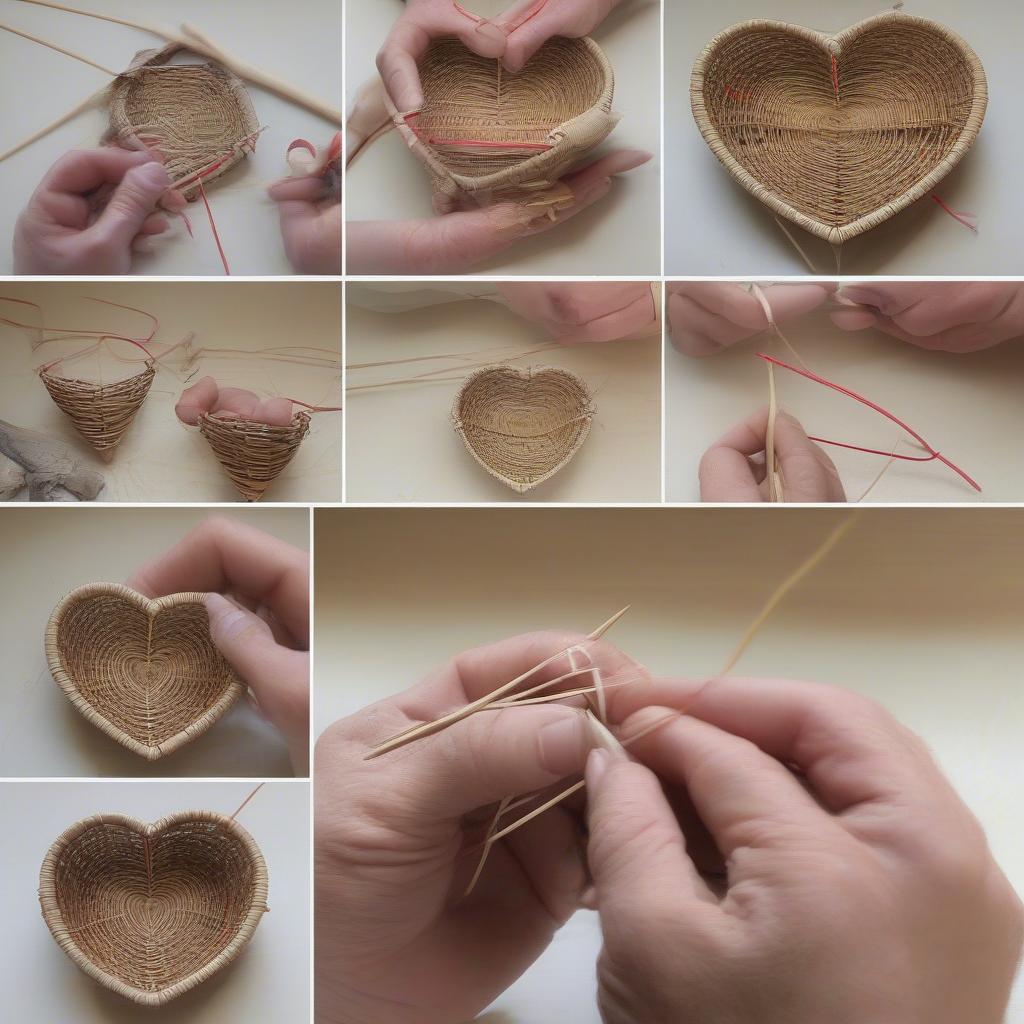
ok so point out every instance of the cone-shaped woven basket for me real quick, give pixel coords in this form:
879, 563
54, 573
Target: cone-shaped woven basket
145, 672
101, 413
838, 133
197, 116
152, 910
253, 454
486, 134
523, 426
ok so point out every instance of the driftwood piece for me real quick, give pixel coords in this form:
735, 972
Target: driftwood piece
50, 468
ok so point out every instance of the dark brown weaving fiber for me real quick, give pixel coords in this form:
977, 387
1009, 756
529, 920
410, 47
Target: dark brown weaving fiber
145, 672
912, 97
151, 911
523, 426
561, 99
101, 413
253, 454
195, 115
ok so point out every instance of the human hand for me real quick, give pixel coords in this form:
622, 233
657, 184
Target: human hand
457, 242
529, 24
421, 22
705, 317
856, 885
206, 396
733, 468
310, 213
397, 940
584, 311
90, 209
963, 316
261, 625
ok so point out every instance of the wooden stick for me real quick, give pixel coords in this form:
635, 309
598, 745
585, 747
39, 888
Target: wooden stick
54, 125
786, 586
430, 728
519, 822
487, 844
59, 49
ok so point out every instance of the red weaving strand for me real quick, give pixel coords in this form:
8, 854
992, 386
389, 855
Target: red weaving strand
213, 228
835, 77
956, 214
877, 408
874, 451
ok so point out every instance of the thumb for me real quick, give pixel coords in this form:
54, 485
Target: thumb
134, 199
483, 38
277, 675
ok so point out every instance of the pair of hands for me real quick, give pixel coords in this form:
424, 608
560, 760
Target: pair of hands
95, 207
257, 591
965, 316
459, 241
763, 856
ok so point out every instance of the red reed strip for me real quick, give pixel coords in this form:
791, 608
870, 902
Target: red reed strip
133, 309
835, 77
961, 217
874, 451
541, 4
879, 409
213, 228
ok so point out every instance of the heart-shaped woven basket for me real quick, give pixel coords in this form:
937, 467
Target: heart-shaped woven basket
523, 426
152, 910
253, 454
145, 672
489, 135
838, 133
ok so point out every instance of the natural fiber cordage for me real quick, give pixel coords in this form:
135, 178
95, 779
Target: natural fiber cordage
101, 413
197, 116
253, 454
152, 910
487, 134
145, 672
838, 133
523, 426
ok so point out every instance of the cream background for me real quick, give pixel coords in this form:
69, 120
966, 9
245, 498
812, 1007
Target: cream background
402, 447
299, 43
968, 406
620, 235
160, 459
46, 553
920, 610
267, 982
714, 226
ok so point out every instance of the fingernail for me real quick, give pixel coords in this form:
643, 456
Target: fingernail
597, 765
154, 174
491, 32
561, 745
226, 620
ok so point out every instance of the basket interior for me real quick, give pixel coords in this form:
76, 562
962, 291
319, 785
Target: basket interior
905, 95
479, 119
153, 910
523, 426
152, 678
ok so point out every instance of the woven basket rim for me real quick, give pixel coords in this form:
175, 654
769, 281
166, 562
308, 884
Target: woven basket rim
151, 607
54, 919
833, 43
530, 167
524, 372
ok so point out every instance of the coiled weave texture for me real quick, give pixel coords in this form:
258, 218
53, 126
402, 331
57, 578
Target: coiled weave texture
523, 426
152, 910
253, 454
101, 413
840, 147
197, 116
488, 135
145, 672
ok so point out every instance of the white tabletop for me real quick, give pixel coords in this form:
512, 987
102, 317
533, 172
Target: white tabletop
269, 980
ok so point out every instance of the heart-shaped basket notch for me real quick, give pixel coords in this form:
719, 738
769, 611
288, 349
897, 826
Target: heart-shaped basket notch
839, 133
523, 426
146, 672
151, 911
485, 132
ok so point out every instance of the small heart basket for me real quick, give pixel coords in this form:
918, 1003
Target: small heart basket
487, 135
837, 133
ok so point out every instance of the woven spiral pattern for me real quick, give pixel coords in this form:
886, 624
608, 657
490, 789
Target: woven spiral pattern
253, 454
560, 103
195, 115
523, 426
150, 911
911, 98
101, 413
145, 672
